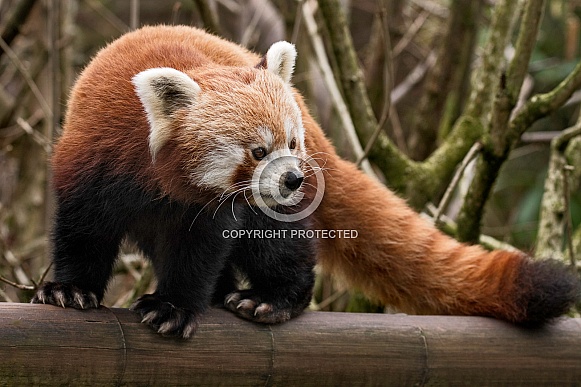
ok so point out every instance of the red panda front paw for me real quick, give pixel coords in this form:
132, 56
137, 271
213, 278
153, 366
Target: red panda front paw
164, 317
249, 305
65, 295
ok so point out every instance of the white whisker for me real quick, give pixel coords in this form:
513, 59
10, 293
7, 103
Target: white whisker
224, 199
249, 205
199, 212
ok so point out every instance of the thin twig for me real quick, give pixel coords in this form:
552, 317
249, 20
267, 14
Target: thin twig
12, 23
26, 75
413, 78
45, 273
5, 296
250, 30
329, 300
397, 129
17, 286
298, 20
541, 105
175, 12
410, 33
134, 14
450, 227
433, 8
539, 137
208, 16
568, 134
455, 180
388, 85
109, 16
332, 87
39, 138
53, 32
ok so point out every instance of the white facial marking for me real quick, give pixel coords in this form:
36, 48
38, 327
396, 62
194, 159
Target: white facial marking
217, 168
288, 127
267, 137
294, 122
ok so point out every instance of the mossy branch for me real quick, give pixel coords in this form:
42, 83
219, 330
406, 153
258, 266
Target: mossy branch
332, 87
438, 169
554, 210
541, 105
447, 75
487, 116
388, 157
500, 136
419, 182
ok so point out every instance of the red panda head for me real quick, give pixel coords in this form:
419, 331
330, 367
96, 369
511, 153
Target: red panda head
235, 129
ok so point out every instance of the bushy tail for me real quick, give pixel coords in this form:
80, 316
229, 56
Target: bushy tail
400, 259
547, 290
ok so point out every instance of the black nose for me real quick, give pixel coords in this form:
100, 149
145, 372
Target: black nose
293, 180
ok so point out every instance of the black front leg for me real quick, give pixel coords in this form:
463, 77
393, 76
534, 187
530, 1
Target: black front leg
88, 227
187, 259
279, 265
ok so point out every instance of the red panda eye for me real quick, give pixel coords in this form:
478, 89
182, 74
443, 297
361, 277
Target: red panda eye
293, 143
259, 153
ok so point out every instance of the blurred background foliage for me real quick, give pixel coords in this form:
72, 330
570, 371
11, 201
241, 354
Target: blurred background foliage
47, 43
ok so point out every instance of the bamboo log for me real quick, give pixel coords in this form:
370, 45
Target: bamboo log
46, 345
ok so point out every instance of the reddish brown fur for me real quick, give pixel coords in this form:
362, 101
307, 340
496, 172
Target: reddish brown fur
398, 258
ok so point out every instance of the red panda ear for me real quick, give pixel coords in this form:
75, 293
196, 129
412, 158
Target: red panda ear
280, 60
162, 91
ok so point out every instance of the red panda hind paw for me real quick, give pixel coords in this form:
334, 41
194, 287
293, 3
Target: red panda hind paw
165, 318
248, 305
65, 295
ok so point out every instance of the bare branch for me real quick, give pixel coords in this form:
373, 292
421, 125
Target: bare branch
450, 227
109, 16
541, 105
26, 75
568, 221
554, 206
455, 180
385, 154
486, 79
208, 17
134, 14
413, 78
17, 286
38, 137
10, 27
387, 87
410, 33
501, 136
329, 79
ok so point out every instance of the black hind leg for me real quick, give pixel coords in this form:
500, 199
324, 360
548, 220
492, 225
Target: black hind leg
226, 284
188, 259
279, 268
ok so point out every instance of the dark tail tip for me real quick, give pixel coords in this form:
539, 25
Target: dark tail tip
549, 290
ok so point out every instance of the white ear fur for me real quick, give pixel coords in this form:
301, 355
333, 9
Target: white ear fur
280, 60
162, 91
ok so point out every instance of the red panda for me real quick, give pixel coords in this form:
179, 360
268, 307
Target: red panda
397, 258
174, 156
